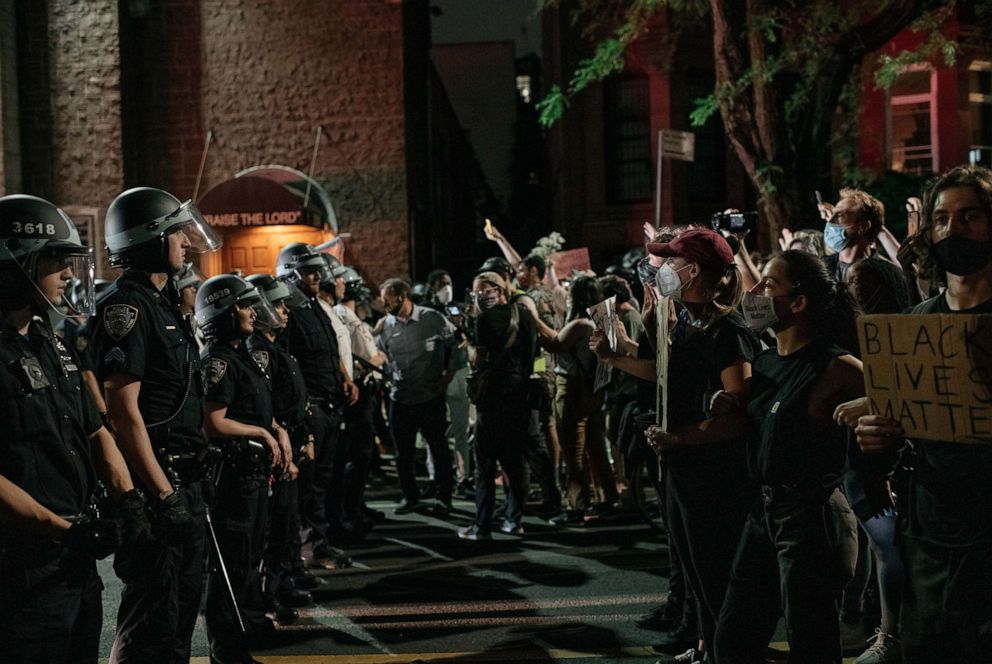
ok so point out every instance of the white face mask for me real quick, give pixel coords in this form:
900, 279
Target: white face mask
445, 294
759, 311
669, 282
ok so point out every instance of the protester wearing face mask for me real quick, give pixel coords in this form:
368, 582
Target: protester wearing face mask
945, 503
503, 349
851, 230
578, 409
705, 479
793, 557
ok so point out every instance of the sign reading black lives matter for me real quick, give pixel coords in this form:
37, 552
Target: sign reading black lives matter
931, 373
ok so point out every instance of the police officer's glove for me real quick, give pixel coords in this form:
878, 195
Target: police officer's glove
135, 527
171, 515
95, 539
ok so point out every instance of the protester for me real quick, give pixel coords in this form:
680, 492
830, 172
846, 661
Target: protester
944, 500
578, 409
711, 351
504, 349
791, 558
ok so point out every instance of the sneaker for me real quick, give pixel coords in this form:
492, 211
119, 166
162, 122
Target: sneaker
474, 533
407, 506
511, 528
678, 639
567, 517
884, 649
690, 656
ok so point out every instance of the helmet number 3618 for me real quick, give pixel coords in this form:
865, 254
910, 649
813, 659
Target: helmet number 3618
31, 228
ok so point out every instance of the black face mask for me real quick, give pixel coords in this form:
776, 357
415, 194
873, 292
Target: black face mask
646, 272
961, 256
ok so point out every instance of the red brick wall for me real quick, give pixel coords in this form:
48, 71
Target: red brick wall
262, 75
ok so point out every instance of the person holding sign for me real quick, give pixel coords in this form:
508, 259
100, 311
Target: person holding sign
791, 555
945, 503
711, 351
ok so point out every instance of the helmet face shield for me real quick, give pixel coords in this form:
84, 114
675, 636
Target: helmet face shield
79, 296
292, 295
200, 234
265, 314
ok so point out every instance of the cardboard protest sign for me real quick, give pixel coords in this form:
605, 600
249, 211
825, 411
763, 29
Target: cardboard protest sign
604, 315
932, 373
573, 259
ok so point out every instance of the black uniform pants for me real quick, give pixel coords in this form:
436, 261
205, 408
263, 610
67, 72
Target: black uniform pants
49, 613
316, 477
359, 421
947, 603
706, 514
239, 519
282, 543
162, 591
430, 419
500, 442
788, 562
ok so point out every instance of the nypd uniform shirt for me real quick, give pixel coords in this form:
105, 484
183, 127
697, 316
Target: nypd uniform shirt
289, 391
235, 379
140, 332
313, 342
48, 417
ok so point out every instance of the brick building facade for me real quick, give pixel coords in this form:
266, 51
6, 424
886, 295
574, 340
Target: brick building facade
100, 95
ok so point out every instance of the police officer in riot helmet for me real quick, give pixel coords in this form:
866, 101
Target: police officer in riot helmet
53, 442
149, 364
312, 340
239, 420
285, 579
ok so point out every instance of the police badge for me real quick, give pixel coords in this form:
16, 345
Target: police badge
261, 358
215, 370
119, 319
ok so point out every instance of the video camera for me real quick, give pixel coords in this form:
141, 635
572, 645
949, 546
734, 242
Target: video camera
734, 222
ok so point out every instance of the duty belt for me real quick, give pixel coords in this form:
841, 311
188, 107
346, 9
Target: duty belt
326, 403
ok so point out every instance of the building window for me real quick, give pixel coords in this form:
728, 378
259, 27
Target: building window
629, 174
980, 98
523, 88
912, 122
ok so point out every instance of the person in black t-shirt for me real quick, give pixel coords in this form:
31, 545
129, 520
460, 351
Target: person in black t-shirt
711, 351
505, 345
794, 554
946, 507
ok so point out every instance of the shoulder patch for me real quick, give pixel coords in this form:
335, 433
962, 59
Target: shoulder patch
119, 319
261, 358
215, 370
81, 343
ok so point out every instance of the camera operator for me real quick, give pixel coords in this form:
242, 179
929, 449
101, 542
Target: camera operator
240, 421
504, 349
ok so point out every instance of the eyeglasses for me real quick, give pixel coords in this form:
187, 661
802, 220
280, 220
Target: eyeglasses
486, 292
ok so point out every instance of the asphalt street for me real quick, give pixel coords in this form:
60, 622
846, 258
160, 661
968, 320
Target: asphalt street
417, 593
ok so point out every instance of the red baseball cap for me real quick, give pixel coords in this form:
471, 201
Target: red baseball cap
699, 245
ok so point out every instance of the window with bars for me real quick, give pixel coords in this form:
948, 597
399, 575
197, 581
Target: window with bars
912, 126
980, 107
629, 173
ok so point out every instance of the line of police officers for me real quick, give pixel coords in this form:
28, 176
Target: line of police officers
272, 403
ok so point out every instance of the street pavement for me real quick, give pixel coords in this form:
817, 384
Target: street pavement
417, 593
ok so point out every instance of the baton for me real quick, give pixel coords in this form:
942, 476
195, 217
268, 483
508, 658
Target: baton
223, 571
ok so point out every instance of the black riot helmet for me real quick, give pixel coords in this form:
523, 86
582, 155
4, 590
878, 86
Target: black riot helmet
32, 228
277, 290
298, 257
328, 281
216, 300
139, 222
